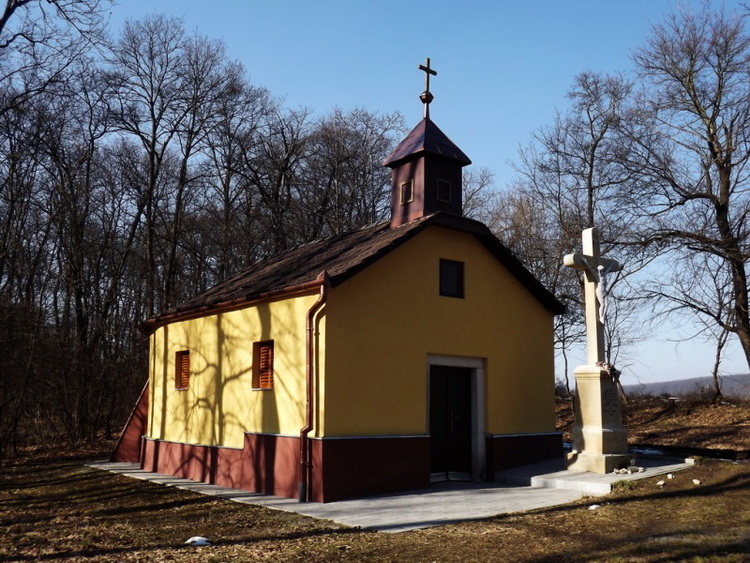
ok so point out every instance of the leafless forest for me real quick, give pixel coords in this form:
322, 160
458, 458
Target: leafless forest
137, 170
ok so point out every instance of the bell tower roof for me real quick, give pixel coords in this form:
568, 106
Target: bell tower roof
425, 168
426, 137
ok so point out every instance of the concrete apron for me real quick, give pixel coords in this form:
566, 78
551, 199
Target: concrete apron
553, 475
531, 487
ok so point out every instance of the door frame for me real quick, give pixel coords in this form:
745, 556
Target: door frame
477, 375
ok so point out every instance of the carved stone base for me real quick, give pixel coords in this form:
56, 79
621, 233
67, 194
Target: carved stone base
596, 463
600, 443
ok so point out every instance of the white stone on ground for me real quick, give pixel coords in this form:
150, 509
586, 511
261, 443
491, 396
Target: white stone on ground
198, 541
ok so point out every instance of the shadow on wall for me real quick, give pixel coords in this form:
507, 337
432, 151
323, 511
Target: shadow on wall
219, 406
266, 464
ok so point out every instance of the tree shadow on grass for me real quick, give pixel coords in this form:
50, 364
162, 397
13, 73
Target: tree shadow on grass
677, 546
94, 493
205, 551
710, 539
739, 482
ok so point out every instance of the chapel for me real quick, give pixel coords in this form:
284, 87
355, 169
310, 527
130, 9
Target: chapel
414, 350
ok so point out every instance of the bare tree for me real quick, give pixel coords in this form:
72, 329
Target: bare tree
231, 200
697, 288
478, 193
88, 252
345, 184
273, 165
206, 80
145, 88
570, 180
691, 138
132, 178
40, 39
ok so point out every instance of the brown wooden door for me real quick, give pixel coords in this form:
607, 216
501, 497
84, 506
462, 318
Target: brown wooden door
450, 422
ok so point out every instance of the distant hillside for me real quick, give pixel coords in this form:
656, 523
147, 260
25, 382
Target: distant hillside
731, 386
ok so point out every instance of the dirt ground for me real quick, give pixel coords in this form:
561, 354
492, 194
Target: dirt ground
54, 508
655, 421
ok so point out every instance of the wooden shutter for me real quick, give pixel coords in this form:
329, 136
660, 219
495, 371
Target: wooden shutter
265, 365
182, 370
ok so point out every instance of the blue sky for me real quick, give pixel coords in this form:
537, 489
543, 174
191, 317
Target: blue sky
504, 68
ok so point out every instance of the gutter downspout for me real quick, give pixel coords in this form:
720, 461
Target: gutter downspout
304, 440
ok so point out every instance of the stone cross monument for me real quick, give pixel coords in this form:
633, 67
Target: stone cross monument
599, 440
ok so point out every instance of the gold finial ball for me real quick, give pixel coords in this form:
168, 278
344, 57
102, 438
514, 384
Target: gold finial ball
426, 97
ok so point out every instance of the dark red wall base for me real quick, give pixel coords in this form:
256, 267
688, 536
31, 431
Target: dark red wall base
504, 452
357, 467
266, 464
341, 468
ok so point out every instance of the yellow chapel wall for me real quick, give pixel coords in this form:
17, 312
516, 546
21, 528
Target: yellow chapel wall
220, 403
383, 322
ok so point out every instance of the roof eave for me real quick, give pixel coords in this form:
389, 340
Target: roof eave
151, 325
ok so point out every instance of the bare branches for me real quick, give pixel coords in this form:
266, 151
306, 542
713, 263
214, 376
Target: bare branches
692, 134
571, 179
345, 185
131, 181
39, 40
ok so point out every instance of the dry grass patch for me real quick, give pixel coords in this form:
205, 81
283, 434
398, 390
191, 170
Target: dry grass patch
689, 424
686, 424
54, 509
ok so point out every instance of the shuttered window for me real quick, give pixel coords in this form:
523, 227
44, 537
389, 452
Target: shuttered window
182, 369
263, 365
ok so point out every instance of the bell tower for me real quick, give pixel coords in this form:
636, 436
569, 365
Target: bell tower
425, 168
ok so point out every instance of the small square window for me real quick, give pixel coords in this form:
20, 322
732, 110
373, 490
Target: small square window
451, 278
443, 191
182, 370
407, 192
263, 365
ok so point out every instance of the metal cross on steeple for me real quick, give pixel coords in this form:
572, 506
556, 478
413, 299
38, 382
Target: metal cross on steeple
427, 96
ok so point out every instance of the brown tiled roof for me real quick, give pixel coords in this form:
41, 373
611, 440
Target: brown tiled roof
340, 257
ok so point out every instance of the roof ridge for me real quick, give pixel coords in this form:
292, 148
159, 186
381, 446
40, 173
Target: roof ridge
326, 239
343, 256
279, 256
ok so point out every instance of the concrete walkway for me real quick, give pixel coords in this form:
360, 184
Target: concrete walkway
526, 488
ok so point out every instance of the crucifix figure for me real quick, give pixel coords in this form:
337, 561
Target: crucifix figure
600, 442
427, 96
596, 269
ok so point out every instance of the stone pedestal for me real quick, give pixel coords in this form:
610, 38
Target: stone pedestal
599, 441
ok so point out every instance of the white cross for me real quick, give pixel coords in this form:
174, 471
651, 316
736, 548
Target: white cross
596, 269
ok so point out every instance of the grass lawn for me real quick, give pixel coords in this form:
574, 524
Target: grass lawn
56, 509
